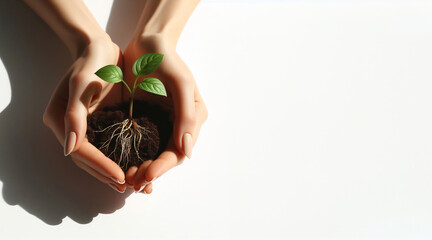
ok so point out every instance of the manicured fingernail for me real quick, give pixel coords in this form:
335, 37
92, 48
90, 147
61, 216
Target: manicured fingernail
142, 187
143, 191
114, 187
69, 143
187, 144
145, 184
117, 181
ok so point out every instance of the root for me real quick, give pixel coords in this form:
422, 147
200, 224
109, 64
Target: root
126, 136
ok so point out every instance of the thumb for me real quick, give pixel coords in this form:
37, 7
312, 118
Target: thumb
75, 121
185, 120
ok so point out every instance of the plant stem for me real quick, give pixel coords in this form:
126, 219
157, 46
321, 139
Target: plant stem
127, 86
130, 107
131, 98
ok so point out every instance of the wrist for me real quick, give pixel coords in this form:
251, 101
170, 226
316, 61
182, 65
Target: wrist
150, 37
165, 18
78, 41
157, 42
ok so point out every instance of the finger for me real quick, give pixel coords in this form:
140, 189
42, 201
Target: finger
185, 118
120, 187
200, 113
140, 174
95, 159
130, 175
75, 117
117, 187
53, 116
54, 119
148, 189
170, 158
91, 171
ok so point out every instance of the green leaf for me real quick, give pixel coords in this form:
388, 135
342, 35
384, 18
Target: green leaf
153, 85
110, 73
147, 64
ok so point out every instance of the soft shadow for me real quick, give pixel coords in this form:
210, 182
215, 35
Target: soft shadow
35, 174
123, 20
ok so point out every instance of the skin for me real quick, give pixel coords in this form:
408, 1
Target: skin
80, 92
158, 31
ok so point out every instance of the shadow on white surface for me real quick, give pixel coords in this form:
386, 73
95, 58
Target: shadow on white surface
122, 21
35, 174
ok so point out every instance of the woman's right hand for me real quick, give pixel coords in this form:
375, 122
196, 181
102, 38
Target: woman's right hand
78, 94
184, 101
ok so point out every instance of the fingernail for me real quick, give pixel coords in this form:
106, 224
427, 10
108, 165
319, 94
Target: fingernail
142, 190
145, 184
142, 187
117, 181
114, 187
69, 143
187, 144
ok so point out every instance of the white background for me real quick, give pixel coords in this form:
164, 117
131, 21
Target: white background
319, 127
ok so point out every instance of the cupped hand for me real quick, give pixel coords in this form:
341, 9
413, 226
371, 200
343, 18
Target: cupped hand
183, 100
79, 93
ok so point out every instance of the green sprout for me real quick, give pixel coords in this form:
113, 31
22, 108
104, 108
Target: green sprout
127, 135
144, 65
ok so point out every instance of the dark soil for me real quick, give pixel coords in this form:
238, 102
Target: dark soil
152, 118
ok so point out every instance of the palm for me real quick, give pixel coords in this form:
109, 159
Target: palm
78, 94
168, 72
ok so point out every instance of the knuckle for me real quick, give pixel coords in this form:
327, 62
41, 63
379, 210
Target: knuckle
189, 120
79, 79
69, 115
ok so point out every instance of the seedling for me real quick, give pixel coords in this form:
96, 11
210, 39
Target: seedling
128, 134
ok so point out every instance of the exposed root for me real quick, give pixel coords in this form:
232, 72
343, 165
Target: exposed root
126, 136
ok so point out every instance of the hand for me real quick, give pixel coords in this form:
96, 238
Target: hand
184, 101
79, 93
